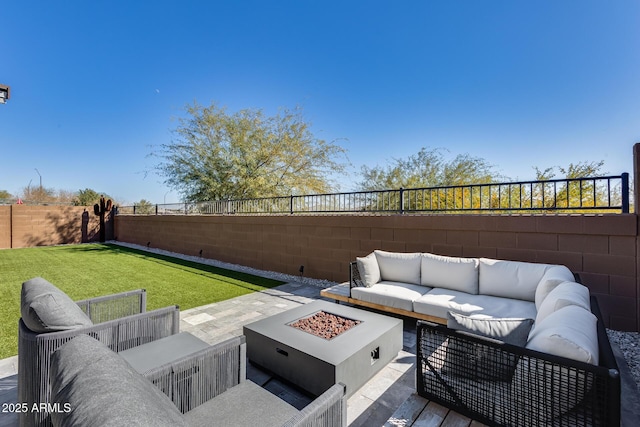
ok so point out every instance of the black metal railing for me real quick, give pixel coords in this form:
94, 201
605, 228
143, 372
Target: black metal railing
599, 194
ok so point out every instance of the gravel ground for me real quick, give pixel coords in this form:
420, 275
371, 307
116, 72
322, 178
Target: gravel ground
628, 342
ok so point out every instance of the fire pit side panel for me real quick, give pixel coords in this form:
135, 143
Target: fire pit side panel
362, 365
307, 372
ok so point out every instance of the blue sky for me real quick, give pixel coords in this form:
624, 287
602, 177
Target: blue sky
96, 84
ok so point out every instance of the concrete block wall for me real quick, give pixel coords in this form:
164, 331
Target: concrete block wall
603, 249
26, 225
5, 227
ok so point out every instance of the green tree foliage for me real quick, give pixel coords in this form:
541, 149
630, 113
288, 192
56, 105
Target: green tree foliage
428, 168
4, 194
218, 155
560, 188
574, 193
574, 170
144, 207
86, 197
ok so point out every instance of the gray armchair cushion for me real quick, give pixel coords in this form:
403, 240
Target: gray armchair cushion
101, 389
154, 354
246, 404
45, 308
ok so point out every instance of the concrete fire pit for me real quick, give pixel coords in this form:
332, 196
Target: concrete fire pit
315, 363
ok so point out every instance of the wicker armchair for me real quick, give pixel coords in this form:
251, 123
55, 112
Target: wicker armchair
194, 382
120, 321
541, 389
207, 387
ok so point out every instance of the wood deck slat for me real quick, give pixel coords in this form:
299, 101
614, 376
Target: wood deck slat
408, 412
432, 416
454, 419
417, 411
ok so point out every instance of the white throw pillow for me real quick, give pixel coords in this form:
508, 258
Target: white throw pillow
566, 293
513, 331
458, 274
552, 278
399, 267
510, 279
369, 270
569, 332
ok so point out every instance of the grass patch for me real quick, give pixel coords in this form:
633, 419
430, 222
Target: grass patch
90, 270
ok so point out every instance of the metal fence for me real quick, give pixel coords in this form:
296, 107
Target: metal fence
15, 201
599, 194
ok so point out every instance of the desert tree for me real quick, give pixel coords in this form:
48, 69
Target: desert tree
86, 197
144, 207
217, 155
431, 169
428, 168
574, 192
39, 194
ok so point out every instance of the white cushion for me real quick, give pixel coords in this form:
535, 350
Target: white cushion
439, 301
568, 332
510, 279
552, 278
390, 294
369, 270
399, 267
566, 293
459, 274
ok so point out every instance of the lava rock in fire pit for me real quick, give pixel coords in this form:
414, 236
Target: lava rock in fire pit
325, 325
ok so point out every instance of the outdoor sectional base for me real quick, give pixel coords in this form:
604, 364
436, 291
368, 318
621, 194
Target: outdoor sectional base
541, 390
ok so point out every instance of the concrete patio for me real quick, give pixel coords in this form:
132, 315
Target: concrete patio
389, 393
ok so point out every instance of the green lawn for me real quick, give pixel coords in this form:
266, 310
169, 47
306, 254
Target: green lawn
90, 270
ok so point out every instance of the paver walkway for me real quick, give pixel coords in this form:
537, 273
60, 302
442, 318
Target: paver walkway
372, 405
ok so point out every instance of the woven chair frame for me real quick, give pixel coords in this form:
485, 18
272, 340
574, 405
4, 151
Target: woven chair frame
199, 377
135, 327
504, 385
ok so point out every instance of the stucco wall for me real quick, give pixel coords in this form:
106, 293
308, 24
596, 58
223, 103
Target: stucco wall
602, 248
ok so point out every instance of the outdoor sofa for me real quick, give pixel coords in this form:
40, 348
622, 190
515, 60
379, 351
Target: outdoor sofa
92, 385
506, 342
50, 318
